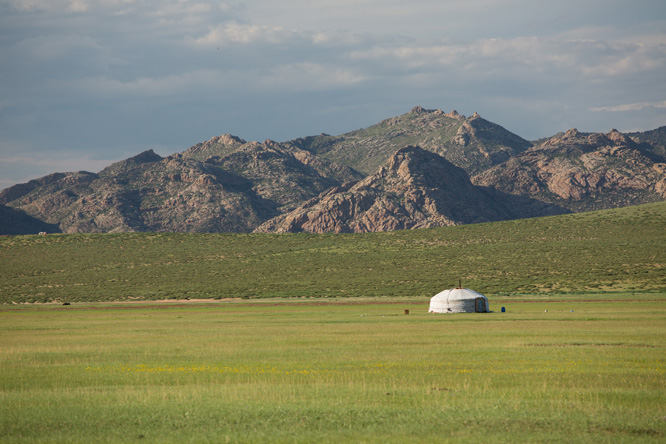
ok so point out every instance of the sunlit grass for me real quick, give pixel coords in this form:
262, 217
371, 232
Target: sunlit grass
243, 372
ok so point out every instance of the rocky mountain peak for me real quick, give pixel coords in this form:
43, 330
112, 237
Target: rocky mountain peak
227, 139
474, 144
573, 137
455, 115
653, 141
570, 137
216, 146
148, 156
415, 188
414, 165
619, 138
418, 110
582, 172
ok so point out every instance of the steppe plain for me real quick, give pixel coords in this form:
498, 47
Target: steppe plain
304, 338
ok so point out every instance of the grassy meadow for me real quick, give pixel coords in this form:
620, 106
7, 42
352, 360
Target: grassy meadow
603, 252
310, 372
303, 338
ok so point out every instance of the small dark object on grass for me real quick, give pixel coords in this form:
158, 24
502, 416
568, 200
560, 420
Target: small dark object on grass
66, 303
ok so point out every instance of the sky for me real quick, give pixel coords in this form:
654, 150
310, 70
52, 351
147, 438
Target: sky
84, 83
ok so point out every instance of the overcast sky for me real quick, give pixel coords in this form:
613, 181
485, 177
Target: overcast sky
84, 83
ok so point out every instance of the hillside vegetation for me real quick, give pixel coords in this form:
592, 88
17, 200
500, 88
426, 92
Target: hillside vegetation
621, 250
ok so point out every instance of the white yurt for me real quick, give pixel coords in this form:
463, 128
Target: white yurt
459, 300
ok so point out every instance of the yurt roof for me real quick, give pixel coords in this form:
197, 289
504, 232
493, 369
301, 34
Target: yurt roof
458, 293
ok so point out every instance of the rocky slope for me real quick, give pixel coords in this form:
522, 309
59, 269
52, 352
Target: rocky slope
365, 180
473, 143
653, 141
415, 189
283, 173
583, 172
232, 193
145, 193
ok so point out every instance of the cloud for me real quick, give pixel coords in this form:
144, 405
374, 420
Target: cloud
631, 106
48, 48
230, 33
529, 55
311, 76
164, 86
236, 33
65, 5
152, 12
297, 77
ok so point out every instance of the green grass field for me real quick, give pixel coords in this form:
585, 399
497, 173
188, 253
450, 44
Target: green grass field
601, 252
303, 338
310, 372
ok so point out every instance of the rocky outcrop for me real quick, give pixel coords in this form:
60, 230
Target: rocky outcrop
232, 193
126, 165
17, 191
218, 146
473, 143
284, 173
653, 141
365, 180
582, 172
415, 189
173, 194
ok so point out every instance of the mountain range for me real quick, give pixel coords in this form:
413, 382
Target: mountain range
425, 168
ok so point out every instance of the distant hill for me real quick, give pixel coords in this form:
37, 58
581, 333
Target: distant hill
583, 172
414, 189
473, 143
353, 181
180, 193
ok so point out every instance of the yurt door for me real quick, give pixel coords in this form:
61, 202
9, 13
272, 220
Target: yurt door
480, 305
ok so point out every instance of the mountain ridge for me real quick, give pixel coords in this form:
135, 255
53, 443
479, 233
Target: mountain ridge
226, 184
416, 188
583, 172
471, 143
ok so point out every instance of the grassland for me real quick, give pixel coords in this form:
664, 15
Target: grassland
303, 372
603, 252
309, 341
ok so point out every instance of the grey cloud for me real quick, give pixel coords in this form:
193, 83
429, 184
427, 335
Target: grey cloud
631, 106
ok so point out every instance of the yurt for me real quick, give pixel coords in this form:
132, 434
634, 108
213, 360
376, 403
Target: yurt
459, 300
